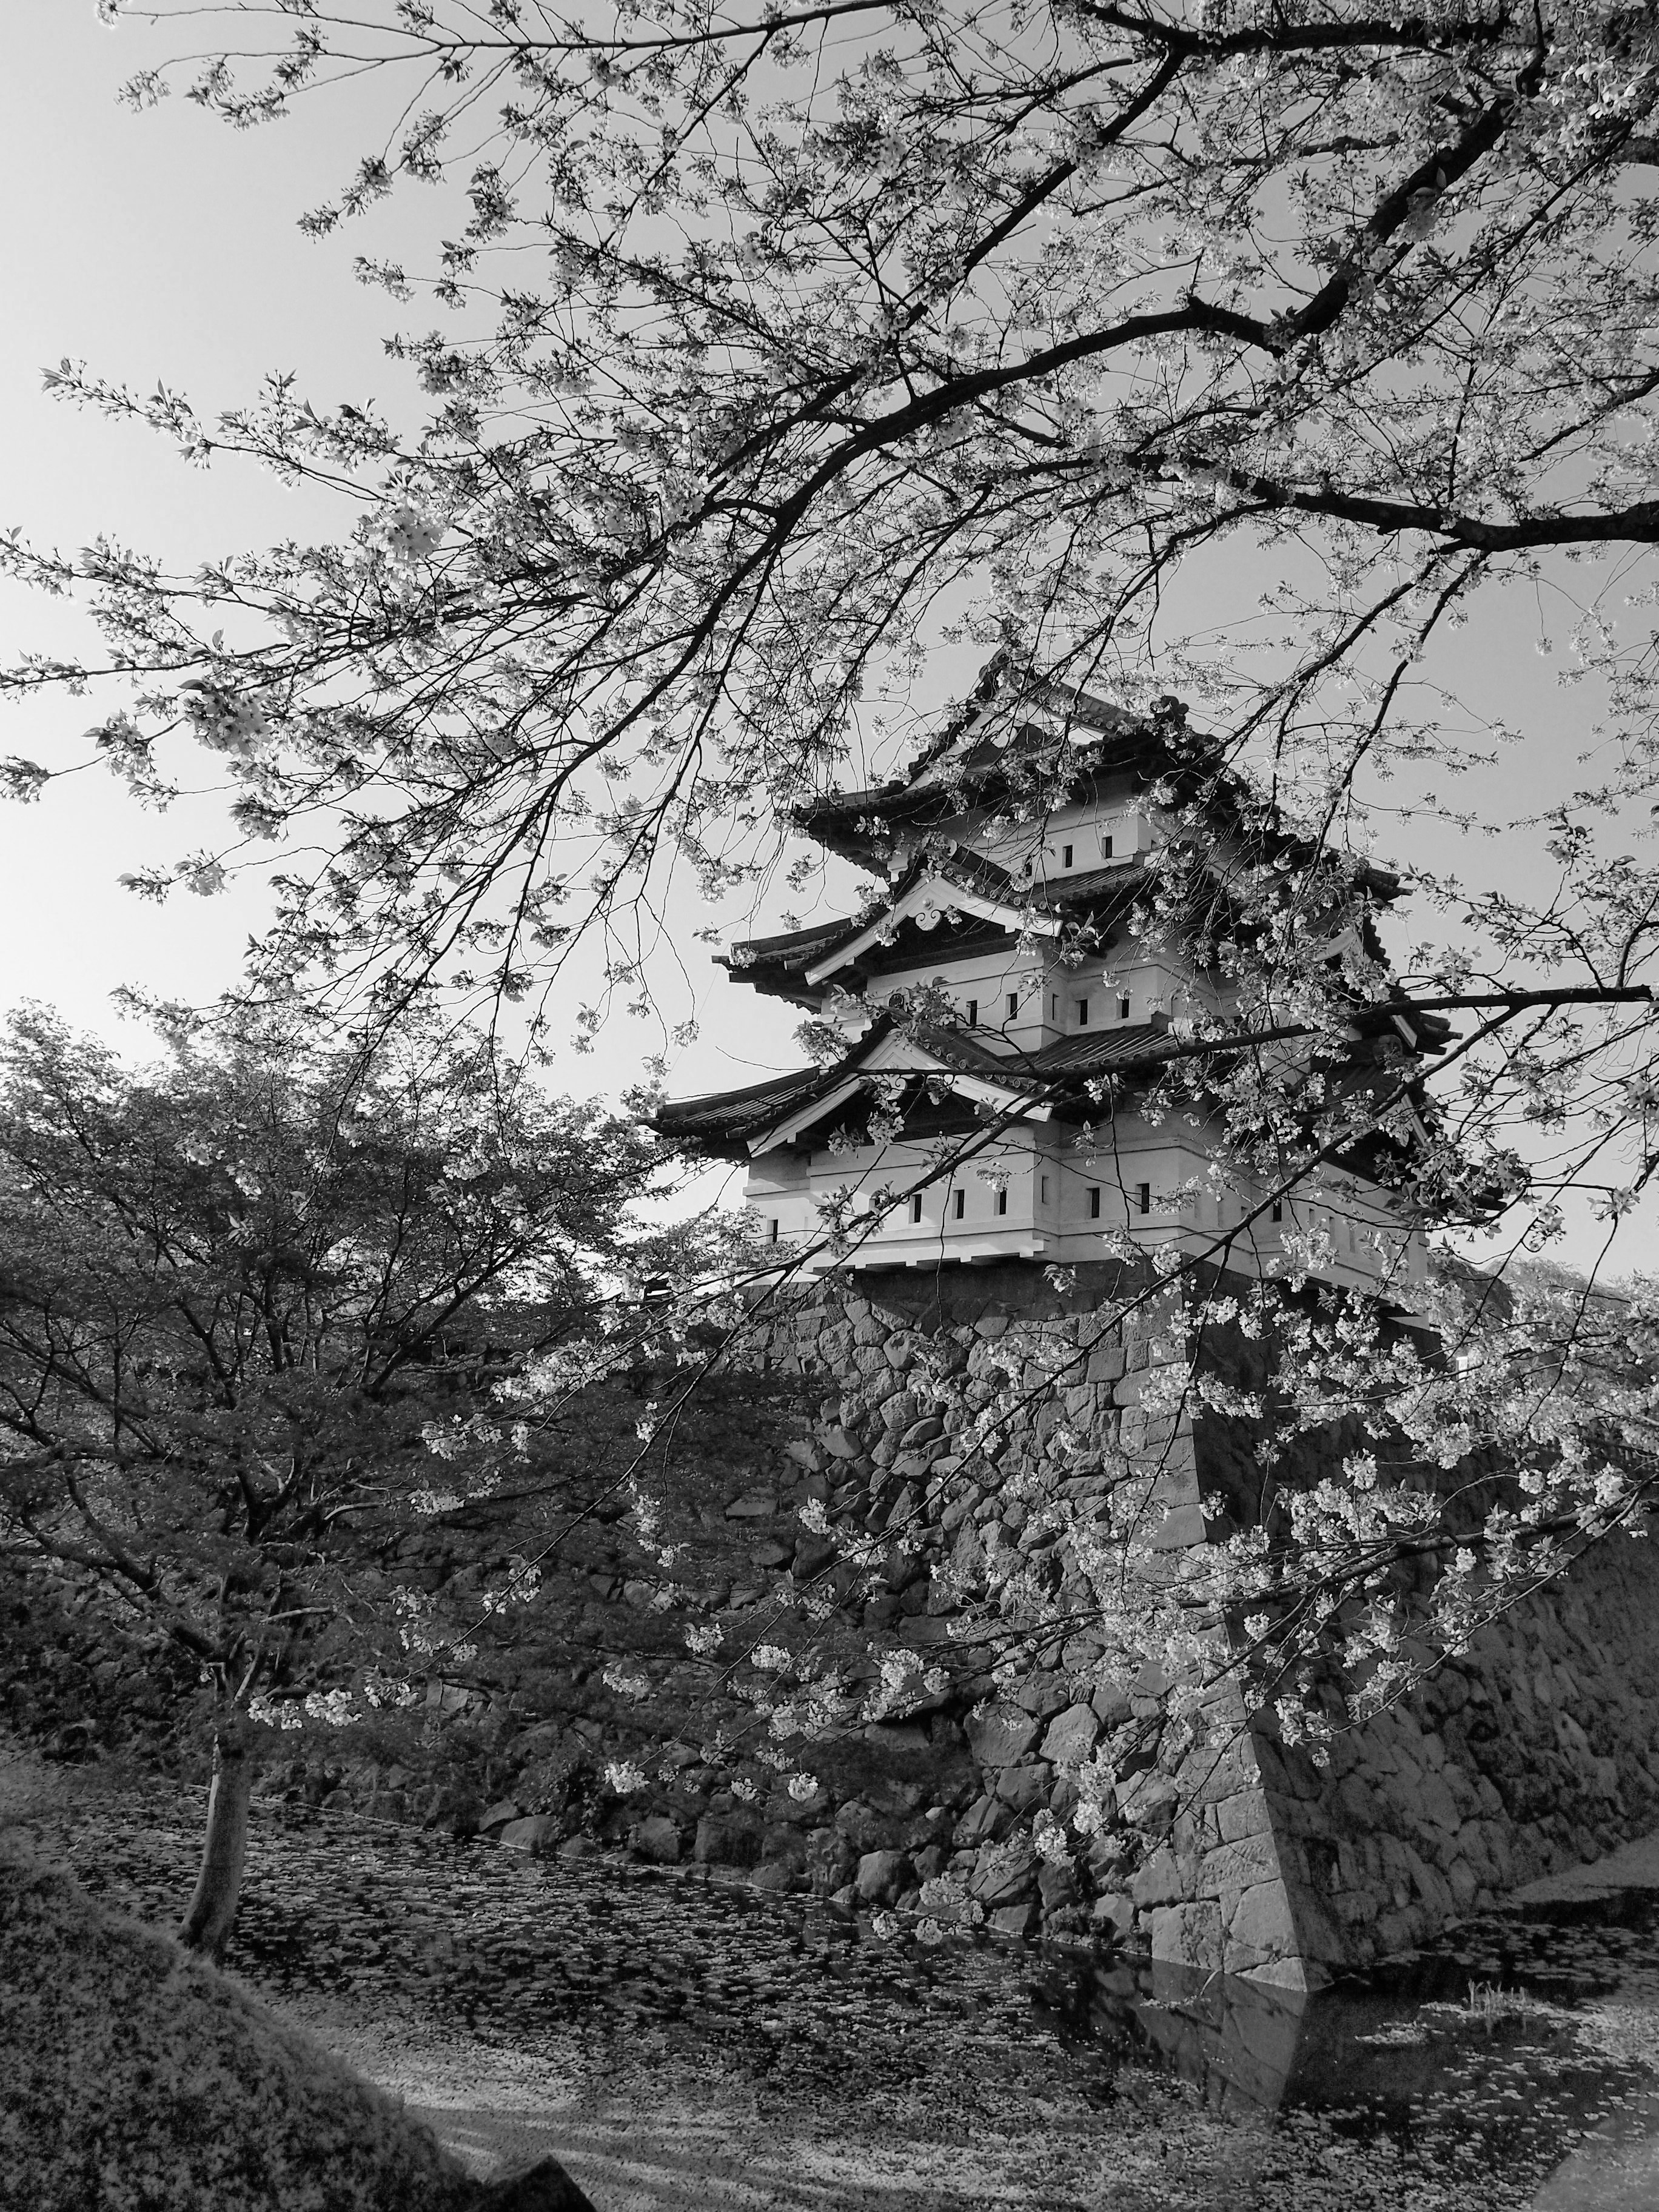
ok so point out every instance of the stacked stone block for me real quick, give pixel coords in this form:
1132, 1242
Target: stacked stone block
1533, 1749
1537, 1748
1189, 1869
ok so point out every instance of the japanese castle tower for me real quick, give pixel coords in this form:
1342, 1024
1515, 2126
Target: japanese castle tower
1006, 996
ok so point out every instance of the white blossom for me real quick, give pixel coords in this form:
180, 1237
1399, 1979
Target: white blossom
409, 537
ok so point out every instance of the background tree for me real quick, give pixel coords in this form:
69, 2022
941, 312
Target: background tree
245, 1296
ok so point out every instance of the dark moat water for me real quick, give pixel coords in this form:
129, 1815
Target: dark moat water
1473, 2052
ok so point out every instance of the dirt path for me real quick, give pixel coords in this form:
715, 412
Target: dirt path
657, 2139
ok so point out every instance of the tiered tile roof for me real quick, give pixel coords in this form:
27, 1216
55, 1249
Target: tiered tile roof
944, 899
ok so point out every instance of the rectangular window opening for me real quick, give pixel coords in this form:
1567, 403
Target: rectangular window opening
1143, 1198
772, 1231
1066, 856
1094, 1201
1278, 1209
1105, 848
1014, 1005
1054, 1006
1124, 1009
1083, 1013
916, 1209
1043, 1190
1002, 1201
959, 1204
973, 1013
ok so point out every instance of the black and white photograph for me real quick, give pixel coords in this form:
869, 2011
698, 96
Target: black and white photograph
830, 1106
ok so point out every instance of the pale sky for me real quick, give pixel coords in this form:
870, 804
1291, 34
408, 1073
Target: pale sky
164, 246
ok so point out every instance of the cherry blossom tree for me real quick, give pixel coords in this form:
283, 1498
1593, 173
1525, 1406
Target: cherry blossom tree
253, 1301
772, 351
763, 337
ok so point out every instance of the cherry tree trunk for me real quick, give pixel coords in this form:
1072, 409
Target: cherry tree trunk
212, 1914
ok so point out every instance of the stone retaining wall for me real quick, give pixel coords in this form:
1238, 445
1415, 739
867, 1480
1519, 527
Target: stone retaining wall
1530, 1751
1536, 1749
1190, 1868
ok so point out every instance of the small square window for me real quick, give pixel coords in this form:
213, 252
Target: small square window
1124, 1009
1014, 1005
916, 1209
1066, 856
1043, 1190
959, 1204
1143, 1198
1105, 848
772, 1227
973, 1013
1083, 1013
1002, 1201
1094, 1201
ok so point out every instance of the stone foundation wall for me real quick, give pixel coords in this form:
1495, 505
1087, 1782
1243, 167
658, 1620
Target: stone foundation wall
1532, 1750
860, 1403
1189, 1869
1535, 1750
